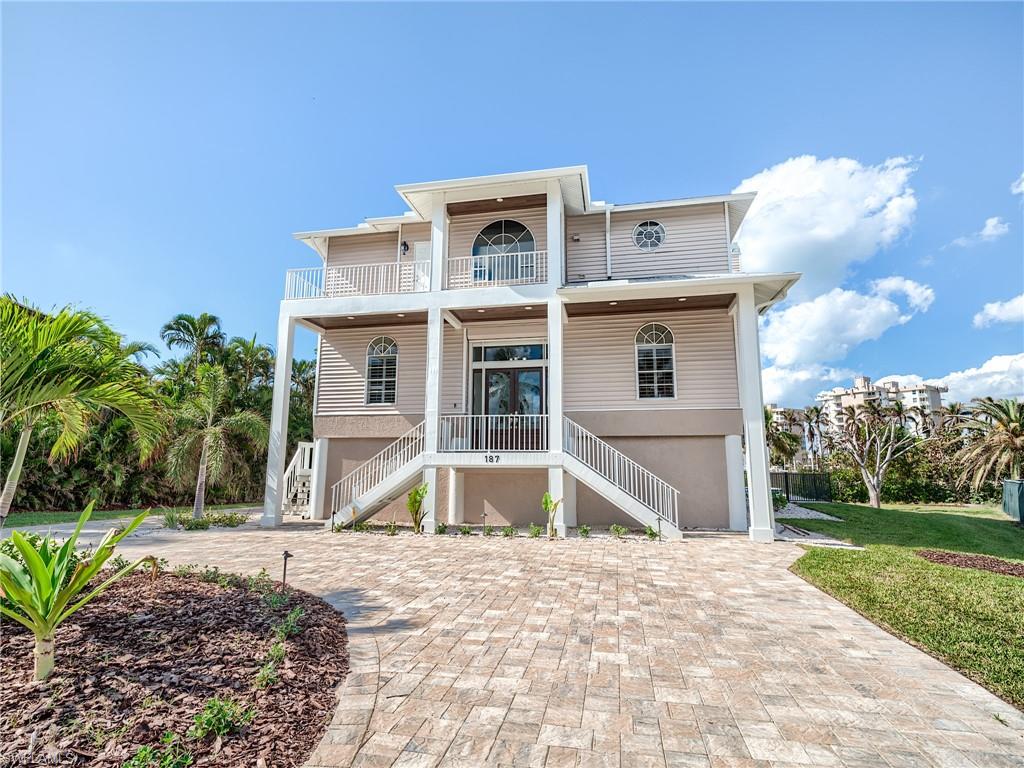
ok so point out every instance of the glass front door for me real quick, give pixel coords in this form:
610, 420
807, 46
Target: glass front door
514, 398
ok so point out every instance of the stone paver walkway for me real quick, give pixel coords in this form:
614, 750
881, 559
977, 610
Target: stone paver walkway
707, 652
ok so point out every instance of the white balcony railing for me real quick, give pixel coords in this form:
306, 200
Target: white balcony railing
513, 432
357, 280
497, 269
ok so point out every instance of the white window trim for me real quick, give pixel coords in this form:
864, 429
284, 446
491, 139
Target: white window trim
366, 373
636, 365
636, 228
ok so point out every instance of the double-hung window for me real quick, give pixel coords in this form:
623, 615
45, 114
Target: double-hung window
655, 362
381, 371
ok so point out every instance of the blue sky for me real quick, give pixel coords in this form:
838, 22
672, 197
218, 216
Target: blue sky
157, 157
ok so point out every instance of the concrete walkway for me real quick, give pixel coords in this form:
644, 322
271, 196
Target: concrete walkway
706, 652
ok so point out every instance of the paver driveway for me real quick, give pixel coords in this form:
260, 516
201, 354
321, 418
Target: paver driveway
478, 652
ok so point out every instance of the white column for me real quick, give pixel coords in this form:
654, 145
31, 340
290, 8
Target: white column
318, 480
748, 356
438, 241
567, 511
430, 500
278, 443
557, 490
456, 497
555, 373
556, 234
734, 483
432, 399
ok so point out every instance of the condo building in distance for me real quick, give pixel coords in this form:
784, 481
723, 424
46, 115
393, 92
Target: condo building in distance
507, 335
918, 401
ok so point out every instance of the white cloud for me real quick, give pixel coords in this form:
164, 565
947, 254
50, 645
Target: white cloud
1009, 311
1017, 188
993, 229
828, 327
798, 386
1001, 376
820, 217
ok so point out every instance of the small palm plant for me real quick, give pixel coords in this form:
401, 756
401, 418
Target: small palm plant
414, 503
42, 587
550, 508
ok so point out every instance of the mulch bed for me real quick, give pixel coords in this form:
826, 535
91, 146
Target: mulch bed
144, 657
981, 562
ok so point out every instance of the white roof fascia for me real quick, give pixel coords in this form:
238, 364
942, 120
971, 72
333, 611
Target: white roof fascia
599, 207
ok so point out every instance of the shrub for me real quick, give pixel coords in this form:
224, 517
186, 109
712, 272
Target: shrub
169, 755
360, 527
41, 586
550, 507
651, 533
488, 530
535, 531
226, 519
267, 675
508, 532
441, 529
276, 652
194, 524
172, 518
779, 500
465, 530
584, 531
220, 716
618, 531
391, 529
289, 625
414, 503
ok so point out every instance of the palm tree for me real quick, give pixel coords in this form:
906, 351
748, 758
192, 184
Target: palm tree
995, 446
253, 362
782, 444
209, 432
68, 367
813, 416
199, 336
304, 379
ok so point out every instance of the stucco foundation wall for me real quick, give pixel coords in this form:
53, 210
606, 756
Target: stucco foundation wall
508, 496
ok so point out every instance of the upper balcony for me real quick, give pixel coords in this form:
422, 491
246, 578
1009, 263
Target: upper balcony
357, 280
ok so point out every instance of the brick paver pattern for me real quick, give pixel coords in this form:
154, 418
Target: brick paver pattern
706, 652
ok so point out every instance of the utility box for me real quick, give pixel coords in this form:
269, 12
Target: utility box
1013, 498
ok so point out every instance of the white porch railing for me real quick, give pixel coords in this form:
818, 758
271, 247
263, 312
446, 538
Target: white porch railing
300, 467
497, 269
377, 469
640, 483
357, 280
513, 432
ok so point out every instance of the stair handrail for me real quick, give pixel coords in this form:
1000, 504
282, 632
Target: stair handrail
291, 474
626, 474
377, 469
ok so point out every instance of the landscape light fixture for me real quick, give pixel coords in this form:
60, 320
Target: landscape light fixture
284, 568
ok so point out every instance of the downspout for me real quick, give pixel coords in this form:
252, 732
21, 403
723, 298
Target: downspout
608, 241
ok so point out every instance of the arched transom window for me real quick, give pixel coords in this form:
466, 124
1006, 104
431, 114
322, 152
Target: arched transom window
504, 252
381, 371
655, 362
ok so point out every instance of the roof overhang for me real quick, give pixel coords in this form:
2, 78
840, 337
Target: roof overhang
769, 288
573, 180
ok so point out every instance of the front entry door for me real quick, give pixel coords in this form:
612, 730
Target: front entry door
515, 396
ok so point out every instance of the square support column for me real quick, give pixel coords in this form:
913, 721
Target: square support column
274, 489
748, 369
438, 241
318, 481
556, 319
737, 492
556, 488
567, 511
432, 398
456, 497
430, 500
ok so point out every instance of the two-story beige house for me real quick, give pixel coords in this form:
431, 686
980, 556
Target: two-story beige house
507, 336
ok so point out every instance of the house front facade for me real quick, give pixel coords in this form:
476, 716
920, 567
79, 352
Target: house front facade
508, 336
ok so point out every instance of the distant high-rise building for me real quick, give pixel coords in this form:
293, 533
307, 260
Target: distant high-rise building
915, 398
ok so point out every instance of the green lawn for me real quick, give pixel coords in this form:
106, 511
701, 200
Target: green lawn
971, 619
22, 519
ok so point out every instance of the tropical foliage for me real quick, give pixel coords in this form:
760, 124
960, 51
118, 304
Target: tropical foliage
116, 457
44, 580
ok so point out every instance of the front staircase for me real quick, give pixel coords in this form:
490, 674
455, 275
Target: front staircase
298, 481
376, 483
632, 488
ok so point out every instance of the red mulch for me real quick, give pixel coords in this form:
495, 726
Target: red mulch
981, 562
145, 656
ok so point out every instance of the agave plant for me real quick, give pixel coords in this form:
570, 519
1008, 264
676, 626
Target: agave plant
42, 592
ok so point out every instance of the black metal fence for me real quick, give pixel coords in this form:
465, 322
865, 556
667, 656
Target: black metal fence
803, 486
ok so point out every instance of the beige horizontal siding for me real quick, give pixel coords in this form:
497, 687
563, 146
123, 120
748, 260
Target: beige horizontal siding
600, 361
377, 248
412, 234
507, 329
587, 259
451, 371
462, 230
695, 242
342, 385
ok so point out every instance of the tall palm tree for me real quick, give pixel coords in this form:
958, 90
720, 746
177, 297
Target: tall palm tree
782, 444
995, 442
200, 336
253, 362
209, 434
812, 418
67, 366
